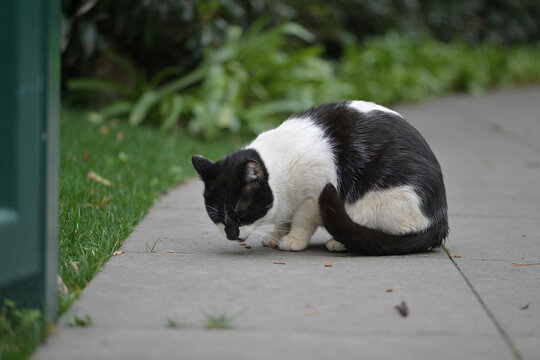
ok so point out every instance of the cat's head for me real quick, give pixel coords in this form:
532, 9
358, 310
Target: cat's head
236, 191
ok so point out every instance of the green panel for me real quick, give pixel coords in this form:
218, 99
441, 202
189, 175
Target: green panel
29, 78
51, 123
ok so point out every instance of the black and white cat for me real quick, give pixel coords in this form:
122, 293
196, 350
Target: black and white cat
355, 167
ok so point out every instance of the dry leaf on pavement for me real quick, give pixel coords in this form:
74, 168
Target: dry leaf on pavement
402, 309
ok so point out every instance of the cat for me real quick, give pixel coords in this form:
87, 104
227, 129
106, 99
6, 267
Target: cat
357, 168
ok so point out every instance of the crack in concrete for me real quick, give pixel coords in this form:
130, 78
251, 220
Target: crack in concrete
498, 326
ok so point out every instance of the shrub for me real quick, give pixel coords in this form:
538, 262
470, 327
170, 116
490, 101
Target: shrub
170, 32
255, 78
395, 68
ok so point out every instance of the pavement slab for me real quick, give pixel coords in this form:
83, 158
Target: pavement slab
478, 305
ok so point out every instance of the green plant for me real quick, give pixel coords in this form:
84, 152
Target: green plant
135, 95
150, 249
177, 32
173, 324
254, 79
20, 330
397, 68
218, 321
77, 321
258, 78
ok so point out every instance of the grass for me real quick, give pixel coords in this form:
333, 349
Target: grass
141, 163
79, 321
131, 167
21, 330
218, 321
150, 249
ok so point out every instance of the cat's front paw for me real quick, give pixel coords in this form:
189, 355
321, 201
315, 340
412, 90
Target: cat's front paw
335, 246
290, 243
270, 241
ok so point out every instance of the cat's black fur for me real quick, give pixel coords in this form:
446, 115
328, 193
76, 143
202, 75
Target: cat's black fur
376, 151
236, 189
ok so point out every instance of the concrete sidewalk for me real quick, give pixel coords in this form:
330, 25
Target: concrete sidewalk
479, 304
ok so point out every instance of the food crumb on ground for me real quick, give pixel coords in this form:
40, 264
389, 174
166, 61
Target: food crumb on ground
328, 265
389, 289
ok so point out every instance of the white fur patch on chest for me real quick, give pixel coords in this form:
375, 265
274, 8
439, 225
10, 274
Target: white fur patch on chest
300, 163
367, 106
394, 211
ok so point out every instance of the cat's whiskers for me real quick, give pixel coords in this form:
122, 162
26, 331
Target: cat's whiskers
236, 206
211, 208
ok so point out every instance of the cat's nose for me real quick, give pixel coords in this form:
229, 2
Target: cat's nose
232, 232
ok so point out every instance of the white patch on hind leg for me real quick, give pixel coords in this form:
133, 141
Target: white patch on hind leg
395, 211
335, 246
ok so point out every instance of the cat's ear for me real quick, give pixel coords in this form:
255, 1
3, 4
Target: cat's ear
202, 165
253, 172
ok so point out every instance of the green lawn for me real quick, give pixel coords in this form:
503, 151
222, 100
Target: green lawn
141, 163
95, 218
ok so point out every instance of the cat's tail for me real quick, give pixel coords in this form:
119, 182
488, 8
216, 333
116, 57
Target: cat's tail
367, 241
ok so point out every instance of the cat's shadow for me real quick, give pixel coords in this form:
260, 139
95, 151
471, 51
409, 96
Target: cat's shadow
314, 250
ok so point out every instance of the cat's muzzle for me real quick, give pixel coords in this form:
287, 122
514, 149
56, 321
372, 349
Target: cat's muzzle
232, 232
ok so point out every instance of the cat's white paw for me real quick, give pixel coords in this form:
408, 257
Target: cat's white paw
292, 244
270, 241
335, 246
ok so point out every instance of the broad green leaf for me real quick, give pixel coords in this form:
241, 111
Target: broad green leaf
143, 107
97, 85
168, 71
183, 82
275, 107
116, 108
298, 31
123, 65
174, 114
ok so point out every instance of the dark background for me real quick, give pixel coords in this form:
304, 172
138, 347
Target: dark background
154, 34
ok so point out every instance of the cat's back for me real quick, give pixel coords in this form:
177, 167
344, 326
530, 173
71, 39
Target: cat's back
298, 136
375, 148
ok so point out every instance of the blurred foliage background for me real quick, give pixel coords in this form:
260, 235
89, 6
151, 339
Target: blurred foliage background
212, 66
